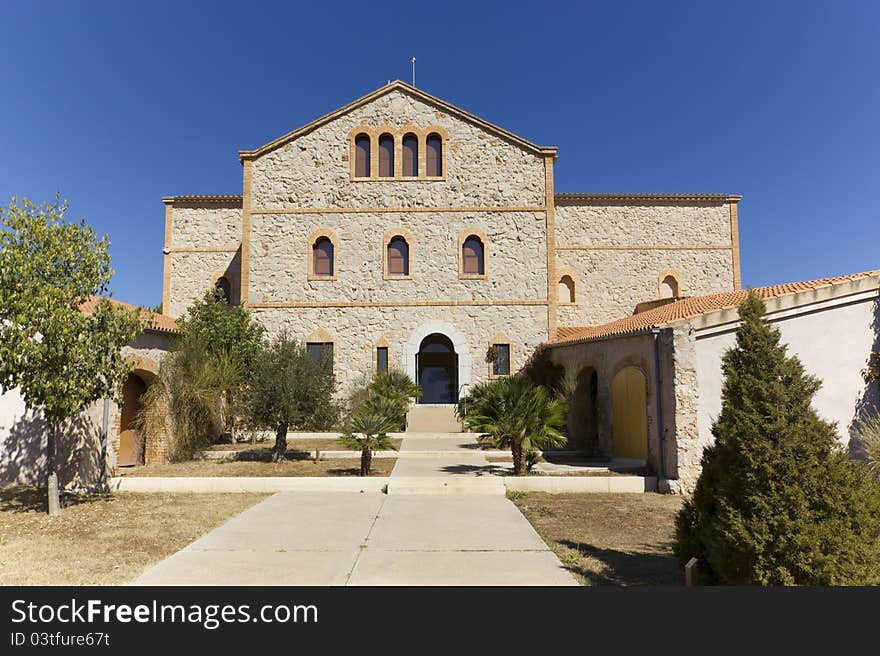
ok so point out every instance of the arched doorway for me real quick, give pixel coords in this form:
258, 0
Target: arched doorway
131, 439
583, 415
630, 413
437, 369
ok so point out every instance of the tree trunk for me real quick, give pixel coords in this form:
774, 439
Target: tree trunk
516, 450
53, 498
280, 447
366, 461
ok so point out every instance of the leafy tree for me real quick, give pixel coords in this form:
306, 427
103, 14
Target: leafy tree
60, 359
229, 340
289, 389
777, 502
514, 413
369, 426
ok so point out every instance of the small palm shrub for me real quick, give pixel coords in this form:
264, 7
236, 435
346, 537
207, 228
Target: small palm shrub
867, 435
514, 413
368, 427
396, 386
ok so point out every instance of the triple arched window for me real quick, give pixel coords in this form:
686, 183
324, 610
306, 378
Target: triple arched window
399, 155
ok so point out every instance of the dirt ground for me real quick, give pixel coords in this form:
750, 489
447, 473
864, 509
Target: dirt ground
292, 445
102, 539
616, 539
328, 467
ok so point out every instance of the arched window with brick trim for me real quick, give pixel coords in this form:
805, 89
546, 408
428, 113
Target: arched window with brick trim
434, 155
410, 155
398, 257
362, 156
323, 257
386, 156
472, 256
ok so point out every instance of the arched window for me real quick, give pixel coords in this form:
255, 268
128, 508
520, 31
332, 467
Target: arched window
322, 257
362, 156
386, 156
434, 156
410, 155
223, 285
472, 263
669, 287
398, 257
566, 289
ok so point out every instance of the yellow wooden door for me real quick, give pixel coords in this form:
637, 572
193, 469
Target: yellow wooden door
630, 414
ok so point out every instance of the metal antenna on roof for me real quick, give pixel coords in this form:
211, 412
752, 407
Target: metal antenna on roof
413, 60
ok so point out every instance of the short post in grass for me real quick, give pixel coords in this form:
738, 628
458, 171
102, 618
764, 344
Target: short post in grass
691, 572
317, 455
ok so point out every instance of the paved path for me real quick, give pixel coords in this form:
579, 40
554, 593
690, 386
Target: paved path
342, 538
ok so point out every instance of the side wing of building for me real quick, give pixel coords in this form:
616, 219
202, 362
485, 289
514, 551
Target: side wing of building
202, 245
614, 251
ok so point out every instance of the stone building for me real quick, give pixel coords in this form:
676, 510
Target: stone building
661, 367
402, 231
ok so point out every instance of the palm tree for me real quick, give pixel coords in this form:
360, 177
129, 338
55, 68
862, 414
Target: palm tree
397, 386
368, 428
514, 413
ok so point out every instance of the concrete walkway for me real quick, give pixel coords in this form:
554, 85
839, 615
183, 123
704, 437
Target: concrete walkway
430, 529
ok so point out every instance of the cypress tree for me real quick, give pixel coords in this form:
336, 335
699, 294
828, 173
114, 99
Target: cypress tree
778, 502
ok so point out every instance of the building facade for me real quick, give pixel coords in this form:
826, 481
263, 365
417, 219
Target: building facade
401, 231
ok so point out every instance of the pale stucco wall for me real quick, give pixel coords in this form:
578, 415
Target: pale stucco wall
23, 431
833, 339
610, 282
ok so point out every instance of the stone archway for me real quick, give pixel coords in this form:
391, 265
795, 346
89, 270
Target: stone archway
459, 345
437, 370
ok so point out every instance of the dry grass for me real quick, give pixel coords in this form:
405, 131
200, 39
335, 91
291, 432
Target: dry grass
303, 445
328, 467
617, 539
102, 539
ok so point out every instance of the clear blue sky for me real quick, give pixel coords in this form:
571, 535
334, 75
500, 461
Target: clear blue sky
116, 104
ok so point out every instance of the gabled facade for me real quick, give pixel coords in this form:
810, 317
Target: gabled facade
401, 229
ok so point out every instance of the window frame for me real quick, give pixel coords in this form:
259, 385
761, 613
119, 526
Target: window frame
324, 346
442, 163
378, 361
355, 154
463, 238
502, 341
388, 239
314, 238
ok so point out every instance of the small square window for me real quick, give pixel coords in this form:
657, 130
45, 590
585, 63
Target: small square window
382, 360
321, 352
501, 361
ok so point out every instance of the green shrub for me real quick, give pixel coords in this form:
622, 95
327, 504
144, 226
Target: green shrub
513, 413
867, 435
368, 428
777, 502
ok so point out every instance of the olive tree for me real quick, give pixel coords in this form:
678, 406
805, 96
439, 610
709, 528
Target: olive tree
60, 359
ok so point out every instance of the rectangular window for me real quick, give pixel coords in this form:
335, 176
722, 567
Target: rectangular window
321, 352
382, 360
501, 361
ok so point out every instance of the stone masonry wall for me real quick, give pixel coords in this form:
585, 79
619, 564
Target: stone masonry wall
356, 331
482, 168
205, 243
611, 281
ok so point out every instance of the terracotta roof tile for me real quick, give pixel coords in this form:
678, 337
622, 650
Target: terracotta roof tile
159, 322
569, 196
688, 308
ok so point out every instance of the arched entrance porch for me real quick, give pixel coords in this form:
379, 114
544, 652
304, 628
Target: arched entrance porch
437, 369
131, 438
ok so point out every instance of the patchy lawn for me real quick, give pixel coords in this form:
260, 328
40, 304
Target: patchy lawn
616, 539
329, 467
102, 539
304, 445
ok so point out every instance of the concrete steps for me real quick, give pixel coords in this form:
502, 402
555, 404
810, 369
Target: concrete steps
431, 418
